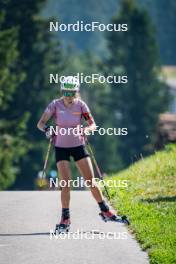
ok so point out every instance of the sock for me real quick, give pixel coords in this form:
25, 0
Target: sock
103, 206
65, 213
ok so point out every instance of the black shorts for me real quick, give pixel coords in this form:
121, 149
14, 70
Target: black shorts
77, 153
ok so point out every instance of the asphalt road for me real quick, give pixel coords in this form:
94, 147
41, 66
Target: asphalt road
28, 218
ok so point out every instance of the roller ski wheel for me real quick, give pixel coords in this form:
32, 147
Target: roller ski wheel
109, 216
125, 220
63, 227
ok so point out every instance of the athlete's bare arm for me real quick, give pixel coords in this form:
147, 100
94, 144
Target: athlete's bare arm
43, 120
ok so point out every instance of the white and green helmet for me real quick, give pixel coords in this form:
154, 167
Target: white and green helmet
70, 84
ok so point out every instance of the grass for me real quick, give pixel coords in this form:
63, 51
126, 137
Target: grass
150, 203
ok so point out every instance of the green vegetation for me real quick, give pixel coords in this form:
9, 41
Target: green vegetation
150, 203
162, 15
11, 129
135, 54
165, 29
87, 11
28, 53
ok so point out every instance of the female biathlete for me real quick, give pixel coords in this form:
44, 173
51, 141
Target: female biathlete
67, 112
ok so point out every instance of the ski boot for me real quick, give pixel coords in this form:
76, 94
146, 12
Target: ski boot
109, 216
63, 227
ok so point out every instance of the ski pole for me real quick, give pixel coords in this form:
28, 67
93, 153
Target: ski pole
96, 166
46, 158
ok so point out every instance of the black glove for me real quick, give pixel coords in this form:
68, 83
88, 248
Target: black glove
47, 132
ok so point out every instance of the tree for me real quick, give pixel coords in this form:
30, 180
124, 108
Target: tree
11, 131
138, 103
38, 54
162, 11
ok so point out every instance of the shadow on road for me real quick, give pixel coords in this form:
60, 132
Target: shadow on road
96, 232
25, 234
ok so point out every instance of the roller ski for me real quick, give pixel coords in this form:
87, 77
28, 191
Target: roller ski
109, 216
63, 227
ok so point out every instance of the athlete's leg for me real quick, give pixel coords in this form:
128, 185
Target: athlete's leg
86, 169
65, 175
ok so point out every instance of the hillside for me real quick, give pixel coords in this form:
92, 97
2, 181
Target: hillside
150, 203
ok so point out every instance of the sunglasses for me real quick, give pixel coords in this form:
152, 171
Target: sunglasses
69, 94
